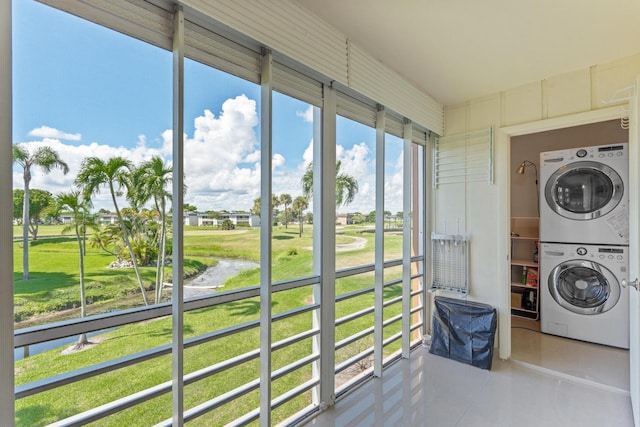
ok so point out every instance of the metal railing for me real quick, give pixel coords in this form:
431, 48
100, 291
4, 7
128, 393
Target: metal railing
44, 333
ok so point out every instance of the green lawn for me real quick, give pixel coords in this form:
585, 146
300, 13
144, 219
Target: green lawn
55, 284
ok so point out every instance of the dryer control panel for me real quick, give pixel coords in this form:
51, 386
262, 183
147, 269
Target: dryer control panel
596, 152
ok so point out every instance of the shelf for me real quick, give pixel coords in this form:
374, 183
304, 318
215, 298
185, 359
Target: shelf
527, 314
520, 285
524, 242
524, 263
524, 310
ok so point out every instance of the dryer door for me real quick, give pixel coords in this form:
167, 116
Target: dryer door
584, 190
584, 287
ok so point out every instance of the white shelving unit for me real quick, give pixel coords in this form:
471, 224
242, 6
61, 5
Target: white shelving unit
525, 301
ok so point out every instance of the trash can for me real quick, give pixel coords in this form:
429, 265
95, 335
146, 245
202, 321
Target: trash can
464, 331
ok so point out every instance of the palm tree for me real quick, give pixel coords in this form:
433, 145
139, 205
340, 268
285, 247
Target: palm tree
346, 185
275, 202
285, 199
79, 209
299, 205
156, 179
255, 210
46, 158
107, 236
94, 173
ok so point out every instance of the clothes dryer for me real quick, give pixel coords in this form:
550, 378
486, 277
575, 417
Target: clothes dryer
581, 293
583, 198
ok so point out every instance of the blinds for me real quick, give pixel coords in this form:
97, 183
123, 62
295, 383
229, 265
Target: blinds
209, 48
228, 35
464, 157
136, 18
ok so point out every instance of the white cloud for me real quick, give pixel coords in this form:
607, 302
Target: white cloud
277, 160
57, 182
49, 132
222, 163
222, 167
223, 156
307, 156
306, 115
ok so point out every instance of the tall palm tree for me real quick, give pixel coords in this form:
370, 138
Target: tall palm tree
255, 210
285, 199
95, 173
275, 202
299, 205
156, 179
346, 185
81, 219
46, 159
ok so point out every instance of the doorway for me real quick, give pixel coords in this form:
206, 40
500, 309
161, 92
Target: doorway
576, 359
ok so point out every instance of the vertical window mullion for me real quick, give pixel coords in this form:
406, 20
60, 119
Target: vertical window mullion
266, 113
7, 408
378, 336
406, 238
177, 304
425, 195
324, 240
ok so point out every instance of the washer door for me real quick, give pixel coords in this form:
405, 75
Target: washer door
584, 287
584, 190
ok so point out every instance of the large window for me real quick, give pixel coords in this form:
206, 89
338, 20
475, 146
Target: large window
94, 280
97, 107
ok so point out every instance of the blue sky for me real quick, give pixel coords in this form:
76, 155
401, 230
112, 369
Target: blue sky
85, 91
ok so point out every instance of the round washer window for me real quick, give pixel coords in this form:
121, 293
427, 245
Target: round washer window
584, 287
584, 190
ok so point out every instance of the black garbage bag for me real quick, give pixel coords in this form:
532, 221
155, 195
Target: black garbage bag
464, 331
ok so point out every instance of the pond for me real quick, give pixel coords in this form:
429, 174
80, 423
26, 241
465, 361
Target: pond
213, 278
206, 283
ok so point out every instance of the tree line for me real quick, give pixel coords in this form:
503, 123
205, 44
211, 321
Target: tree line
140, 235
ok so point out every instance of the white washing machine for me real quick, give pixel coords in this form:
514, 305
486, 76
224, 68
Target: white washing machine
581, 296
583, 195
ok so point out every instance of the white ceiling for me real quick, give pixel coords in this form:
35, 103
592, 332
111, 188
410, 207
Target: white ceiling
458, 50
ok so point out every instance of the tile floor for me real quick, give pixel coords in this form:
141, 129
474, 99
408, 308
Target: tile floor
428, 390
599, 365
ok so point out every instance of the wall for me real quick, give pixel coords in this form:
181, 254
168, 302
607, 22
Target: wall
477, 204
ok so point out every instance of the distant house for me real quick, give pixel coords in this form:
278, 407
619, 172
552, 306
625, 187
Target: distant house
236, 218
107, 218
344, 219
65, 218
102, 219
194, 218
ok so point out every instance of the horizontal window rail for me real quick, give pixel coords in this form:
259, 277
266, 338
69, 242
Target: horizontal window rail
392, 320
355, 337
231, 395
70, 328
34, 335
150, 393
392, 301
255, 414
354, 294
353, 360
352, 271
353, 316
392, 338
40, 386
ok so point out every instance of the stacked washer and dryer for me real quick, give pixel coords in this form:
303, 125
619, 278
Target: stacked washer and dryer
584, 238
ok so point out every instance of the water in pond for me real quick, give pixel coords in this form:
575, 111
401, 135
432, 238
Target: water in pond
206, 283
214, 277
